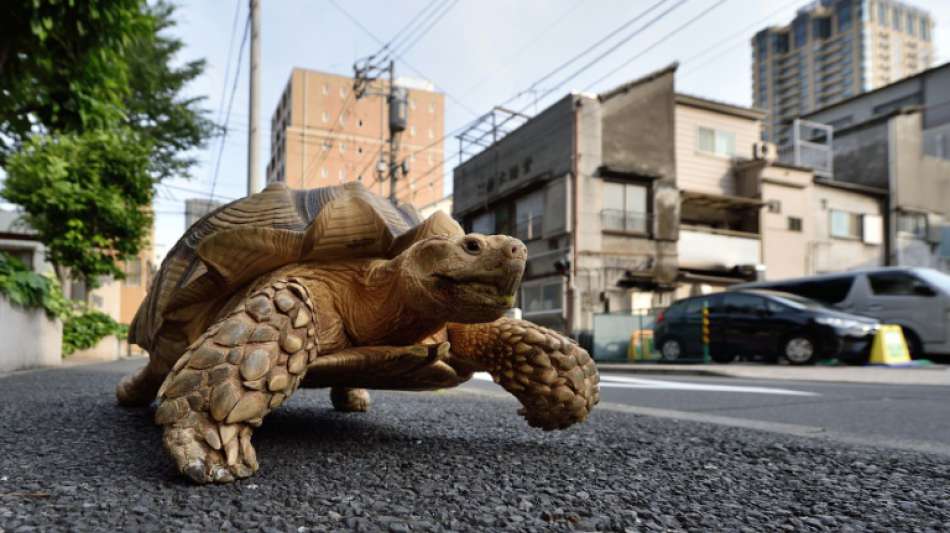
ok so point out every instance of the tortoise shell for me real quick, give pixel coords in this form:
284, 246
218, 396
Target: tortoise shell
240, 241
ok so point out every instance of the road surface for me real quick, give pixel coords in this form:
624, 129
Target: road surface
70, 459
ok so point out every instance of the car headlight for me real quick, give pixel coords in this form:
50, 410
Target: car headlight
850, 327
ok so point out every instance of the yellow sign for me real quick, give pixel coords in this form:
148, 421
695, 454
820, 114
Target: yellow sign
889, 346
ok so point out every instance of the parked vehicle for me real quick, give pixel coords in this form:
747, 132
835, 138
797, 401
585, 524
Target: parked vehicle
762, 323
916, 299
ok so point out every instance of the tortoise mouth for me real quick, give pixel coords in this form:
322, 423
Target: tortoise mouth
489, 291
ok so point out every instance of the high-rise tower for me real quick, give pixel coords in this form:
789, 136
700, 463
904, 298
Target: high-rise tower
834, 49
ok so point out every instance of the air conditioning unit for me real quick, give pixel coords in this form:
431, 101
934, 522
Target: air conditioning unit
764, 150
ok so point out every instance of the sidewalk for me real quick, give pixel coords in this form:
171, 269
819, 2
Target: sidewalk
923, 375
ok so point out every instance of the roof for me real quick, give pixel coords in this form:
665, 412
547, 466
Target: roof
720, 107
854, 187
671, 68
879, 89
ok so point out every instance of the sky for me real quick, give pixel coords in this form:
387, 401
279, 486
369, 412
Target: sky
480, 53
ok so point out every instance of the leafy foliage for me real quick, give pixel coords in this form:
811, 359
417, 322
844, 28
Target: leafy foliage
28, 289
63, 67
85, 329
155, 109
85, 195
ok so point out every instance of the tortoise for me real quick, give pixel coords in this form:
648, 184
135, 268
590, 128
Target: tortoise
336, 288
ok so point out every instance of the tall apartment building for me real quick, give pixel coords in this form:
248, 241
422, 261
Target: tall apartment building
322, 135
834, 49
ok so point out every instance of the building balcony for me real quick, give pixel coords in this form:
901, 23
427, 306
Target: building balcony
710, 249
631, 222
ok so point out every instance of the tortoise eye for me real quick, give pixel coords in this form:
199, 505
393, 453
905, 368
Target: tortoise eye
472, 246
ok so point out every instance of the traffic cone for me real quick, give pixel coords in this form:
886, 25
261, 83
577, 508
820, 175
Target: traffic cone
889, 347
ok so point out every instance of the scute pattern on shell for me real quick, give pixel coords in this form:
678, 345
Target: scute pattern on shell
185, 280
210, 402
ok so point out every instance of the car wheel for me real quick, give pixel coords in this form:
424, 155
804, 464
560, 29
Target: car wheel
799, 350
671, 350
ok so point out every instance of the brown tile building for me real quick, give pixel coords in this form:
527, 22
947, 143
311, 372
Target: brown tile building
322, 135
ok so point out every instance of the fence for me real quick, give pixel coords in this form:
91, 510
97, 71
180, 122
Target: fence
613, 333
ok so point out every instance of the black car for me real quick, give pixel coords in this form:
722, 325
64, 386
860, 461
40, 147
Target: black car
761, 323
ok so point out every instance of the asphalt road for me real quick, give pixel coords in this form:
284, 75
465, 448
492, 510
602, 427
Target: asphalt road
70, 459
900, 416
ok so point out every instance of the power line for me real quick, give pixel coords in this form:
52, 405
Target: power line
592, 47
422, 33
237, 72
392, 42
614, 48
398, 57
657, 43
509, 58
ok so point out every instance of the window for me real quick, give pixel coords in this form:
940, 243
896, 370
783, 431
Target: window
412, 103
924, 29
800, 28
913, 223
743, 304
542, 297
898, 284
845, 225
326, 90
821, 27
325, 117
896, 19
881, 14
323, 172
911, 24
431, 134
774, 206
342, 92
529, 216
795, 224
342, 175
843, 10
342, 148
412, 131
133, 272
717, 142
431, 108
625, 207
484, 223
897, 103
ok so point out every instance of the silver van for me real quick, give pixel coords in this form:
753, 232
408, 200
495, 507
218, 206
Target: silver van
917, 299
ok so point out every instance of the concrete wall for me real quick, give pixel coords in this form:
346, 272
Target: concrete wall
862, 155
784, 250
537, 151
831, 254
704, 172
920, 182
30, 339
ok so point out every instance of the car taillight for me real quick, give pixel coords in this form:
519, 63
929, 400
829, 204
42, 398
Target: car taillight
659, 318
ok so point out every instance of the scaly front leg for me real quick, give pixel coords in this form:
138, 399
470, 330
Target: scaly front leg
243, 367
554, 378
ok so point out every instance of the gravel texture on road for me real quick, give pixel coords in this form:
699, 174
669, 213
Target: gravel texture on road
71, 459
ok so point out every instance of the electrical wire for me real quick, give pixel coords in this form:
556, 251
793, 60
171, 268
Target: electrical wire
422, 33
237, 73
395, 38
656, 43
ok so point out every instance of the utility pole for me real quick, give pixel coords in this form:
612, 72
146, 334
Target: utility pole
396, 98
254, 183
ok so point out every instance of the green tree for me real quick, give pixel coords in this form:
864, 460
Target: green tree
92, 115
156, 107
63, 67
86, 196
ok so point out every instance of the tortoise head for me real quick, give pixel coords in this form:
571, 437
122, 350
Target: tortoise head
466, 278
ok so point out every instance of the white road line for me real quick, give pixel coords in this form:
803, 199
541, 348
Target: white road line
624, 382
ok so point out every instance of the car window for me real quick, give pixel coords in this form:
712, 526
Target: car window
743, 303
694, 307
775, 307
898, 284
828, 291
675, 311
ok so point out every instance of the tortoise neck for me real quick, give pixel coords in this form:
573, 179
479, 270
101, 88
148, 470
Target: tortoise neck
384, 316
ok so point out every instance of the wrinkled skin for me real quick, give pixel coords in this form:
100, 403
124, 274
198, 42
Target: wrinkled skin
427, 319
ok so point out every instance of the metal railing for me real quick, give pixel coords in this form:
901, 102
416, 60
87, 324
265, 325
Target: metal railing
625, 221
